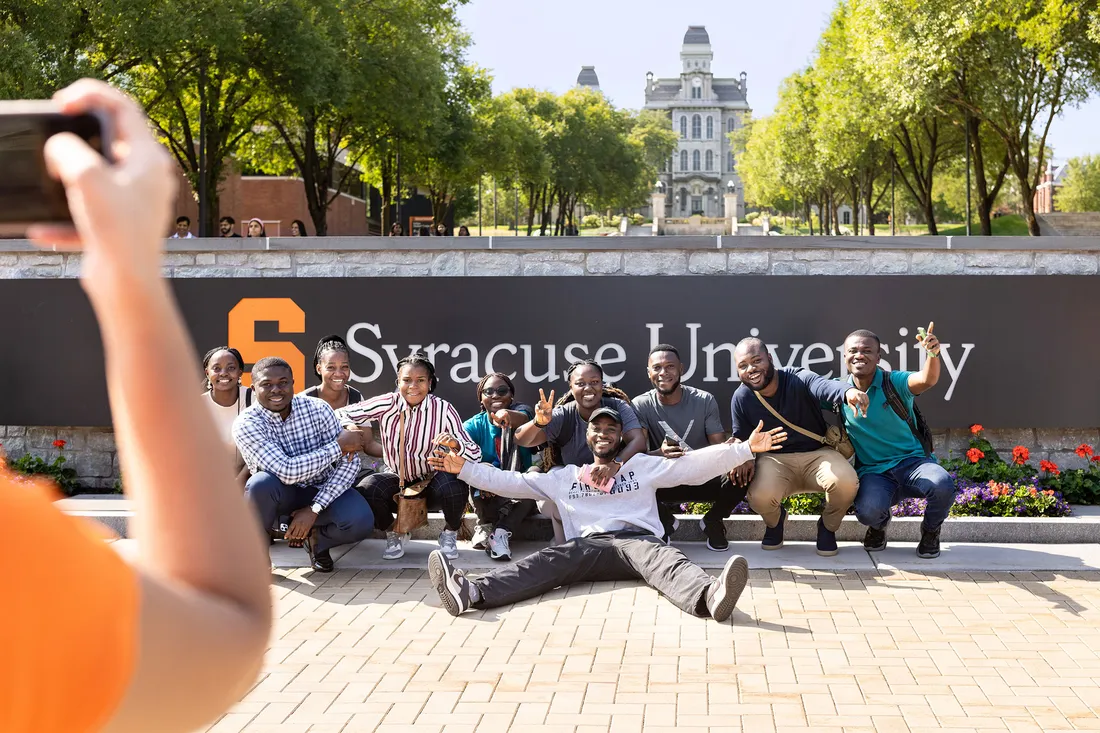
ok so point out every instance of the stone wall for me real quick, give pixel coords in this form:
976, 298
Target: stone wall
92, 451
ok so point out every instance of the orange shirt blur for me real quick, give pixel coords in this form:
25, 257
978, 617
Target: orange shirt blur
68, 616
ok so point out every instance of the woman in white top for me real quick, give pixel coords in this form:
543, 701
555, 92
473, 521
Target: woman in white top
226, 396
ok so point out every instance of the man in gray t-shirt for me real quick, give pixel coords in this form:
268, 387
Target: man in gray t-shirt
678, 419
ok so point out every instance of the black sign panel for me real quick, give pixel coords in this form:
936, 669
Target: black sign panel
1012, 346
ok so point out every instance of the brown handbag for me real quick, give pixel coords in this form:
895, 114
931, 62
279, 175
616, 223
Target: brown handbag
835, 437
412, 503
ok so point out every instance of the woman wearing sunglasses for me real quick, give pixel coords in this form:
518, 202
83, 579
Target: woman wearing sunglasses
494, 430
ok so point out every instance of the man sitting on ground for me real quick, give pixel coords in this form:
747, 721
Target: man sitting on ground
295, 449
678, 419
893, 454
612, 528
792, 398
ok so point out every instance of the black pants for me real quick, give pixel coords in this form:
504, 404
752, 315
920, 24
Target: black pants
720, 491
444, 491
490, 508
601, 557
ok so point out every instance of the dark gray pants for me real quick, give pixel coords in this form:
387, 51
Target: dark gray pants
500, 511
596, 558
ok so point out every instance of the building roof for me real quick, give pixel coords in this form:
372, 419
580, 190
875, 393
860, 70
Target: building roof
588, 78
697, 35
728, 92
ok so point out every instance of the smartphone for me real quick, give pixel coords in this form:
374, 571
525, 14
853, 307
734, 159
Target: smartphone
28, 194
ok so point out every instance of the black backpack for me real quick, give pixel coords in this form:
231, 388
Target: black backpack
916, 422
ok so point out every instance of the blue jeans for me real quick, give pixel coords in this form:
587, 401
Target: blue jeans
347, 519
913, 478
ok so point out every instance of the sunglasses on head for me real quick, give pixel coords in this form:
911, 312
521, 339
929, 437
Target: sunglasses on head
498, 392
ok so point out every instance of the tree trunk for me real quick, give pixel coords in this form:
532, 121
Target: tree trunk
919, 165
868, 195
855, 204
532, 201
386, 218
987, 196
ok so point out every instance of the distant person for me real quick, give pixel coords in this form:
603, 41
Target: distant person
396, 231
226, 397
463, 231
171, 642
298, 228
441, 230
183, 228
226, 225
303, 465
256, 228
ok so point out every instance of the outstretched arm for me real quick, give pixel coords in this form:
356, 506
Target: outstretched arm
929, 374
484, 476
205, 607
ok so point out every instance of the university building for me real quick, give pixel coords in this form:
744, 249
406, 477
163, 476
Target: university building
703, 109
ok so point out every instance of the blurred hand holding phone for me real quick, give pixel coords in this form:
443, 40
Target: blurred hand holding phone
28, 193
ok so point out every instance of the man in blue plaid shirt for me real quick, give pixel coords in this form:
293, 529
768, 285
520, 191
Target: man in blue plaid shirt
302, 465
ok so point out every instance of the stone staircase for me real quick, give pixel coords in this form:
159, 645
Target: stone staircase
1070, 225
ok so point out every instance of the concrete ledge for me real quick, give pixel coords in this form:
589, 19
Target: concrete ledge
1083, 527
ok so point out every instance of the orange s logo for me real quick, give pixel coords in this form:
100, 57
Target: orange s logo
242, 334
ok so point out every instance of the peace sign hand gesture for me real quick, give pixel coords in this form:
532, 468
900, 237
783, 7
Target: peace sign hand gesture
544, 410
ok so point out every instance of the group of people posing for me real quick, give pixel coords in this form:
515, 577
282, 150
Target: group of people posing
607, 469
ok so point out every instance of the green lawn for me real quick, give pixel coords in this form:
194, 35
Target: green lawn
1012, 225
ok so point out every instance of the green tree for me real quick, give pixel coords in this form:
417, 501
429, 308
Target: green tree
1081, 191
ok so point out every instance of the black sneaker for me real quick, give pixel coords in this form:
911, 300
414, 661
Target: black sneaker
773, 536
727, 588
826, 540
449, 582
319, 560
716, 535
875, 539
668, 521
929, 546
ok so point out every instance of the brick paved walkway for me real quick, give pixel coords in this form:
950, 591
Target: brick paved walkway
807, 651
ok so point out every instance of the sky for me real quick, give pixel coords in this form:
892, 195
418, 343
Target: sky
534, 43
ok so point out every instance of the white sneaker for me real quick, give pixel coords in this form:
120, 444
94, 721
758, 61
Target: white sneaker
480, 540
448, 544
498, 545
395, 549
727, 588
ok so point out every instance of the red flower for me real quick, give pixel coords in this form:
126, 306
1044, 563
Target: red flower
975, 429
1084, 450
1020, 454
1050, 467
1096, 459
59, 444
975, 455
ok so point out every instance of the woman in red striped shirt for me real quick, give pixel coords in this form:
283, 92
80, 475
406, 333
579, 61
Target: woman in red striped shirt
410, 419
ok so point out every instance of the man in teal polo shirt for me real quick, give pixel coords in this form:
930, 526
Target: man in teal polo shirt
890, 460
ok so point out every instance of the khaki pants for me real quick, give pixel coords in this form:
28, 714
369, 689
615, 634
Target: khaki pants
779, 475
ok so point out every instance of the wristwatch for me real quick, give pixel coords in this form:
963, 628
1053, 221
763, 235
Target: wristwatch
316, 508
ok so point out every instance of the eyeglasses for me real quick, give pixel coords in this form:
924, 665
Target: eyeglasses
498, 392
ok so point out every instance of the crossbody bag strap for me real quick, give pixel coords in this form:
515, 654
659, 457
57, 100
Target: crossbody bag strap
772, 410
401, 453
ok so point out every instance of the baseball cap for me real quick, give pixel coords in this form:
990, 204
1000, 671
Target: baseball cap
606, 412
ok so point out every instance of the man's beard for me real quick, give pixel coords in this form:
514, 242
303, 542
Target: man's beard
668, 390
768, 377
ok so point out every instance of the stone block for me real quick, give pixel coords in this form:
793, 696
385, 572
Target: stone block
604, 263
8, 259
37, 259
1054, 439
997, 271
41, 272
15, 431
1003, 260
277, 273
813, 255
101, 440
552, 269
202, 271
553, 257
76, 439
851, 254
1068, 460
356, 258
420, 270
172, 259
790, 268
708, 263
404, 257
1059, 263
231, 258
747, 262
329, 270
15, 447
73, 265
782, 255
204, 258
92, 464
937, 263
1007, 439
492, 264
449, 264
667, 262
841, 267
41, 438
270, 260
372, 270
314, 258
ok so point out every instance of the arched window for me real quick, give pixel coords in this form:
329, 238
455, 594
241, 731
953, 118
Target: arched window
710, 160
697, 92
710, 127
696, 127
683, 160
683, 200
730, 162
731, 124
684, 126
695, 160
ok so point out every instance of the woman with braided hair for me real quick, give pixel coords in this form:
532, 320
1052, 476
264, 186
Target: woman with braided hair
494, 430
226, 397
